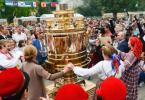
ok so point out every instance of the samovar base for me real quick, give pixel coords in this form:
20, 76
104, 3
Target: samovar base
60, 82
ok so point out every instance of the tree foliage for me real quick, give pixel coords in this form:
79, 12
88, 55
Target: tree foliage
90, 7
96, 7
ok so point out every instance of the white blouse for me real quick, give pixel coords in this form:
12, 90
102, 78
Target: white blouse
9, 63
102, 68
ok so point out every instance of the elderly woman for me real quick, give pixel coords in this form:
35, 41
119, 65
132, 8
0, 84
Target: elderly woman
132, 67
37, 73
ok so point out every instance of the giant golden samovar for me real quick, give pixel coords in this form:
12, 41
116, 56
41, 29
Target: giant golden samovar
66, 41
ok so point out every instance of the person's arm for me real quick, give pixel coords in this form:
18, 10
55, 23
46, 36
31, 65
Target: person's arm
120, 70
129, 60
43, 73
56, 75
122, 55
140, 29
142, 65
42, 98
84, 72
25, 37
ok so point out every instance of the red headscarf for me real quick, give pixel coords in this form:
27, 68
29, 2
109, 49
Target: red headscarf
71, 92
137, 46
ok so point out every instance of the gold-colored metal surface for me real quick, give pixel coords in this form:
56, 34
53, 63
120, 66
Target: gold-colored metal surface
66, 41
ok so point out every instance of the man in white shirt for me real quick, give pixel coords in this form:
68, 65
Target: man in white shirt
19, 35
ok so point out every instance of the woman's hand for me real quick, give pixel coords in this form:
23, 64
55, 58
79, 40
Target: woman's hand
68, 67
42, 98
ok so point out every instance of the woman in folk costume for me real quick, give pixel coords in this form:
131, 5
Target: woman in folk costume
132, 69
110, 66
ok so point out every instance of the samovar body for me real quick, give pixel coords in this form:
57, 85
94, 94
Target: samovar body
66, 41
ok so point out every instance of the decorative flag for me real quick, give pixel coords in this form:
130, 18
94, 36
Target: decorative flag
43, 4
9, 3
28, 4
21, 4
53, 4
15, 3
24, 4
35, 4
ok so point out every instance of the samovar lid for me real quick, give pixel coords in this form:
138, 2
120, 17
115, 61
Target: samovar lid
62, 7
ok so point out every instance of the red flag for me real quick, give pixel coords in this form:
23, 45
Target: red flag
53, 4
43, 4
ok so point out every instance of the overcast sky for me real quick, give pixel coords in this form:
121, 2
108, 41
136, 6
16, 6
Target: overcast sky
74, 3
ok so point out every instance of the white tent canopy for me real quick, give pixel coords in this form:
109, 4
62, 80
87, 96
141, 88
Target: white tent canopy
29, 18
46, 16
3, 21
78, 15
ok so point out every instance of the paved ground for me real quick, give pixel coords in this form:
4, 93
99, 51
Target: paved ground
142, 93
141, 90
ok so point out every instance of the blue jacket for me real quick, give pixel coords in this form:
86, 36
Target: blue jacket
123, 46
37, 44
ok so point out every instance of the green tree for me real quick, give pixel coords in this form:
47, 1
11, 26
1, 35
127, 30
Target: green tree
96, 7
1, 7
1, 3
115, 6
141, 5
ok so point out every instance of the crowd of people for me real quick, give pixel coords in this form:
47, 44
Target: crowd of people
116, 49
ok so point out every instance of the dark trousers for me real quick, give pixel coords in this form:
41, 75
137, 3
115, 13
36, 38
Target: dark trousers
142, 77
